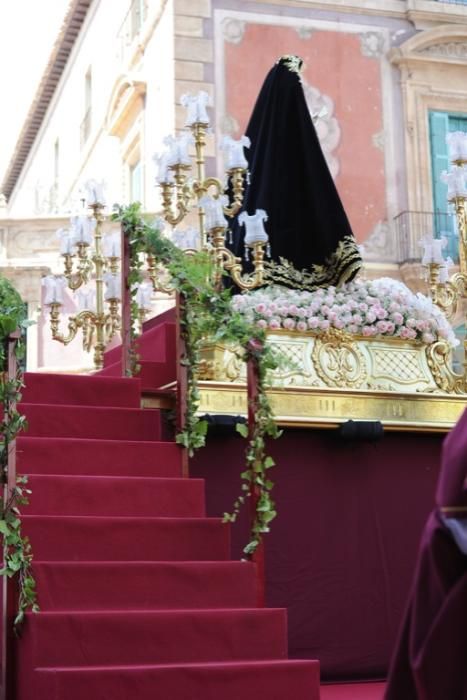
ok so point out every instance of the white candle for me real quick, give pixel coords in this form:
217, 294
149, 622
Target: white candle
113, 286
94, 192
82, 229
186, 239
143, 296
254, 225
213, 210
178, 149
112, 245
86, 299
54, 286
233, 152
196, 108
66, 241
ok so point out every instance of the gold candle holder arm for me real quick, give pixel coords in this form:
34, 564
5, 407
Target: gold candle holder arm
237, 179
234, 266
174, 213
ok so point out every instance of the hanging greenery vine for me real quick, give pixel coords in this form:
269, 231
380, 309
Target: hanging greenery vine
18, 556
206, 312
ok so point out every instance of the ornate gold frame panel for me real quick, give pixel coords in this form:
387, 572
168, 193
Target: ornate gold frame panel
327, 408
336, 359
328, 378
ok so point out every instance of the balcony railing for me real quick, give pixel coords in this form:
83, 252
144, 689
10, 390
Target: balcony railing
410, 227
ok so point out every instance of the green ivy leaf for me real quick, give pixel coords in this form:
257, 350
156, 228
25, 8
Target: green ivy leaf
242, 428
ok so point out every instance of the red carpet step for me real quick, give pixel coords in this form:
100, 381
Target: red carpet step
108, 495
170, 636
105, 423
46, 455
145, 585
61, 538
258, 680
81, 390
139, 599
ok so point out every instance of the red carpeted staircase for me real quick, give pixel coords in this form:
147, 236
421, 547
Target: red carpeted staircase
138, 597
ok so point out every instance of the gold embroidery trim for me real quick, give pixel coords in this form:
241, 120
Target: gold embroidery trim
292, 62
339, 267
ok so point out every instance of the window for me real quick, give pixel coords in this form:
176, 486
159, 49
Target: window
56, 161
136, 182
137, 16
86, 123
441, 123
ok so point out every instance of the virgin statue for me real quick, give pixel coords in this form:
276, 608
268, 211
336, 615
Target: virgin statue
311, 242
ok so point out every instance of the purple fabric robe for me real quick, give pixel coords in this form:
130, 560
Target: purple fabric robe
430, 659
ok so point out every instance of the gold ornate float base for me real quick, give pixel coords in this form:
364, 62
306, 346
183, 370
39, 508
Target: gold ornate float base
327, 379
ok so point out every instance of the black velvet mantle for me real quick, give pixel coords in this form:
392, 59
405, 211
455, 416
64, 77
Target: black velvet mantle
290, 179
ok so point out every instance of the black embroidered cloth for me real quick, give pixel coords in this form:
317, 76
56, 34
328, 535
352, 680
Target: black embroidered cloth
312, 244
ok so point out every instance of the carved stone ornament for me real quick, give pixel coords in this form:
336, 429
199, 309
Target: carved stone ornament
451, 49
372, 44
327, 127
233, 30
304, 32
380, 244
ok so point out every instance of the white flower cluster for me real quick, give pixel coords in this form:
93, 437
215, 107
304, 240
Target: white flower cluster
382, 307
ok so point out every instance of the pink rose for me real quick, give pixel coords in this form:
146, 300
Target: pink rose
367, 331
381, 326
352, 328
302, 326
261, 323
338, 323
397, 318
370, 316
313, 322
428, 338
288, 323
363, 307
260, 308
274, 324
324, 325
380, 312
356, 318
411, 323
390, 327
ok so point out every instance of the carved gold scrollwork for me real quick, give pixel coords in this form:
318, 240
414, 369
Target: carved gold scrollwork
439, 361
338, 361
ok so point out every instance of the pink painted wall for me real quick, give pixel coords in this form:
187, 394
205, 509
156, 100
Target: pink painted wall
335, 65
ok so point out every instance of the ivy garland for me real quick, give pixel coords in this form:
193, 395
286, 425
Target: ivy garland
206, 312
17, 549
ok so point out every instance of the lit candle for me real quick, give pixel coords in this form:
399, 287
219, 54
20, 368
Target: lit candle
254, 225
233, 150
54, 286
196, 108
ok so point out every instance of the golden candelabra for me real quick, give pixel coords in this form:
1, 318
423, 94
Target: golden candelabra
181, 194
98, 325
449, 294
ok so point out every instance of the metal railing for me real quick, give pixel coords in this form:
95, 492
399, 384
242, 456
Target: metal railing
410, 227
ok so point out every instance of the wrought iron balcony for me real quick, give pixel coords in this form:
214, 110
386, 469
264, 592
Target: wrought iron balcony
410, 227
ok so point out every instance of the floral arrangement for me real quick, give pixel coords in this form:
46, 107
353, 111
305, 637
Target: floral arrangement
382, 307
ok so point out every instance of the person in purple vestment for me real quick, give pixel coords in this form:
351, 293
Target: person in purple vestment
430, 659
